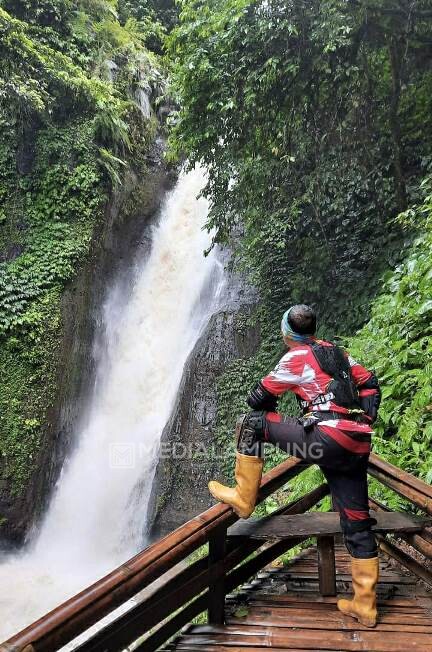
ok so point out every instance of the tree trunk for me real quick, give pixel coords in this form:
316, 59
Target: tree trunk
396, 65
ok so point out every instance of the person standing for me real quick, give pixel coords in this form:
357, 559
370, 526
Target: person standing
340, 401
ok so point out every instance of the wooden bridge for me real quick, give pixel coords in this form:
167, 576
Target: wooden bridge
291, 607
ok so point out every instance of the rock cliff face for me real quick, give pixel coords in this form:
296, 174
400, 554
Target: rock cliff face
126, 225
187, 461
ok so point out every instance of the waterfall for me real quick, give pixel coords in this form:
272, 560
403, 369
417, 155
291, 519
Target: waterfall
97, 515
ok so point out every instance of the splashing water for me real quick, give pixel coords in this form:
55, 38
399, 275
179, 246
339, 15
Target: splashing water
97, 516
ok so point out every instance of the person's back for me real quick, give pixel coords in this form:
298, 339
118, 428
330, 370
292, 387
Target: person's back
327, 392
340, 400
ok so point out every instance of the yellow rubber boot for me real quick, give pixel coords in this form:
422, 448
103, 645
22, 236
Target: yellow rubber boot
365, 573
242, 497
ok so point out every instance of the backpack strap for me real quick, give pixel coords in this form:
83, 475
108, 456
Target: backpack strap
342, 389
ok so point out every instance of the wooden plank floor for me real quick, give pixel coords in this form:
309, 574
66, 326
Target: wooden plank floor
281, 609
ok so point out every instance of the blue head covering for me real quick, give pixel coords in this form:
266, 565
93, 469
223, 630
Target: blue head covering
287, 331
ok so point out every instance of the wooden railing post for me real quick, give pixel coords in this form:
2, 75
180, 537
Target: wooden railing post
217, 552
326, 565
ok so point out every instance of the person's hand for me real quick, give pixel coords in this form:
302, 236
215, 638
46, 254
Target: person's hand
370, 404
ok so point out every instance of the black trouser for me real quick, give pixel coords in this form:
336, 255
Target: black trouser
345, 472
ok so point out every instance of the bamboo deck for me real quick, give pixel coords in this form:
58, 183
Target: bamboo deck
282, 610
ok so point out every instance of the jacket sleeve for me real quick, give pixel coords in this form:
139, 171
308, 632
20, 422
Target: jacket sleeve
369, 389
261, 399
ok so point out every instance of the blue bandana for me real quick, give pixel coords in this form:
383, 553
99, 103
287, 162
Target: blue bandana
287, 331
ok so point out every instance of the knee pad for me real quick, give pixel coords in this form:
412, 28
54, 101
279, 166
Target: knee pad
359, 539
251, 433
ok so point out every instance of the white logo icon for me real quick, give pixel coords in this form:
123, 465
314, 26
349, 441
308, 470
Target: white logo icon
121, 456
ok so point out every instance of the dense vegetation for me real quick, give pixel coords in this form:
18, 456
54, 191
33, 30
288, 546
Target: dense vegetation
71, 77
314, 120
397, 342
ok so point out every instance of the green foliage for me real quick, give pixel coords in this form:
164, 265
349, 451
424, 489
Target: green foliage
155, 16
70, 126
397, 343
28, 364
59, 203
147, 21
31, 67
314, 122
288, 104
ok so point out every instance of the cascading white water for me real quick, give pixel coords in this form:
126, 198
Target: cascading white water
97, 515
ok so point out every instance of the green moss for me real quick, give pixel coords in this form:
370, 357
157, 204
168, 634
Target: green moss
51, 213
67, 134
28, 364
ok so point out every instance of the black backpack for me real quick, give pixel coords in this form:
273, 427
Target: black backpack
332, 360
